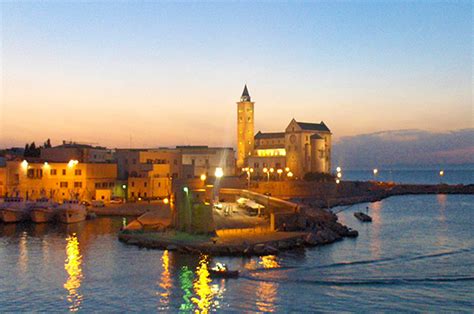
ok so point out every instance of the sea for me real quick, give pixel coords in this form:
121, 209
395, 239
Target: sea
416, 256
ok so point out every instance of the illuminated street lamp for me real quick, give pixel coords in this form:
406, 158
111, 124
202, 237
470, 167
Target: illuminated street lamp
272, 170
265, 170
124, 186
24, 165
219, 172
203, 177
287, 169
289, 174
166, 200
339, 175
338, 181
375, 171
279, 171
441, 175
338, 169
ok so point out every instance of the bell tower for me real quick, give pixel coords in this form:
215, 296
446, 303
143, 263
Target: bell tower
245, 128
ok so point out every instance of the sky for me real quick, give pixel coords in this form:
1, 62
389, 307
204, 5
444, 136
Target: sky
164, 73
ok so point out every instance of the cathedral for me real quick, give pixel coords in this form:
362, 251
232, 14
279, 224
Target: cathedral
301, 148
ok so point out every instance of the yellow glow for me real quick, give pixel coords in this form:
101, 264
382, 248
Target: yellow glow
290, 174
24, 165
338, 169
338, 181
165, 283
72, 163
73, 268
271, 152
269, 261
441, 173
280, 171
375, 171
251, 170
46, 165
202, 287
166, 200
339, 175
219, 172
203, 177
272, 170
265, 170
287, 169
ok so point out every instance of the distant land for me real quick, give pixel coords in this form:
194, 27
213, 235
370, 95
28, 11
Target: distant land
406, 149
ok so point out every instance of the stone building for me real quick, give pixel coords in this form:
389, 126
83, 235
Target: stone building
58, 181
303, 147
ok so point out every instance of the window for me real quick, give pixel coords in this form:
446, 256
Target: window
144, 184
144, 194
53, 172
159, 184
78, 172
133, 194
30, 173
111, 184
133, 183
64, 172
105, 184
97, 185
78, 184
63, 184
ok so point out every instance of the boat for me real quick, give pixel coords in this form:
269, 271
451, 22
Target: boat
15, 209
221, 271
362, 217
71, 212
44, 210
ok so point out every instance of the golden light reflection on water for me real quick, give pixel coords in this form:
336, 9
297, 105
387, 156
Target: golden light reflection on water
269, 261
442, 239
375, 213
266, 292
202, 287
74, 269
165, 282
23, 247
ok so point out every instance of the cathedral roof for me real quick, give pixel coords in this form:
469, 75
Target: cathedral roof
261, 135
245, 94
313, 126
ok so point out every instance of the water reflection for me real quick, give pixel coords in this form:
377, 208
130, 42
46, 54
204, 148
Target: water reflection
186, 284
376, 245
23, 247
442, 239
165, 283
266, 292
269, 261
202, 286
74, 269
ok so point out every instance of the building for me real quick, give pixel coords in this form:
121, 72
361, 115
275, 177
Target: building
245, 128
205, 160
59, 181
302, 148
76, 151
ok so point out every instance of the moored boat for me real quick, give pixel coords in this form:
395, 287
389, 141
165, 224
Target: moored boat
363, 217
221, 271
15, 209
44, 210
71, 212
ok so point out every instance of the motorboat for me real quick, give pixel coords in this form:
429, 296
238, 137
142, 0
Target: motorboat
221, 271
71, 211
362, 217
15, 209
44, 210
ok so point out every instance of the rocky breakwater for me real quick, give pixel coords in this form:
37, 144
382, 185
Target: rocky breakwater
321, 226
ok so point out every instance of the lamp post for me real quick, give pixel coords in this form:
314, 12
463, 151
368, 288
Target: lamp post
265, 170
375, 171
441, 175
272, 170
279, 171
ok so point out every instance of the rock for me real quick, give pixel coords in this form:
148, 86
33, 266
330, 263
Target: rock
352, 234
270, 249
311, 239
171, 247
259, 249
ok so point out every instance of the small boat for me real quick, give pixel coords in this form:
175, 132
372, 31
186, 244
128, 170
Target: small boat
362, 217
72, 212
15, 209
221, 271
44, 211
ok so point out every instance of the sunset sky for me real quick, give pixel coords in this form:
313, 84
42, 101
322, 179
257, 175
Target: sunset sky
168, 73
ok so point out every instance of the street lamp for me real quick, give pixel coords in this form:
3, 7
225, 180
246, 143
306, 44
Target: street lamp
287, 169
279, 171
203, 177
375, 171
441, 175
289, 174
272, 170
265, 170
338, 169
219, 172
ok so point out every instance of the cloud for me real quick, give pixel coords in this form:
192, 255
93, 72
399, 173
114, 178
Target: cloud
405, 147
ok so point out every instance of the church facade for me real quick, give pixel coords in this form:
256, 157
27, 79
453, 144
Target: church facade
301, 148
